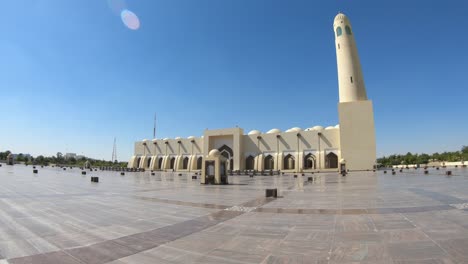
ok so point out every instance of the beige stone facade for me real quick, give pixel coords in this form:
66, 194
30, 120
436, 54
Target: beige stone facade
294, 150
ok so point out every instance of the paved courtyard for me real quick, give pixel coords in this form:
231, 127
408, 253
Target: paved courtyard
59, 216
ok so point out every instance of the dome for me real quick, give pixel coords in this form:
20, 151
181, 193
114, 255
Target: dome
191, 137
144, 140
155, 140
342, 161
274, 131
166, 139
214, 153
317, 128
178, 138
340, 17
330, 128
337, 126
254, 132
294, 129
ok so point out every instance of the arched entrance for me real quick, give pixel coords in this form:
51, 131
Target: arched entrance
148, 162
137, 165
249, 163
268, 163
199, 163
172, 163
185, 163
331, 161
160, 160
309, 162
289, 162
228, 154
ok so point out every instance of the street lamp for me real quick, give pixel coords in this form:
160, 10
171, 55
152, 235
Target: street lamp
258, 148
277, 151
298, 152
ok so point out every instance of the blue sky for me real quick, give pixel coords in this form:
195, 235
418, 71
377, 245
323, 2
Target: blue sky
73, 77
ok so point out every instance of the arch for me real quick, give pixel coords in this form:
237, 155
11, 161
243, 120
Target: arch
226, 152
249, 163
289, 162
199, 163
185, 163
310, 161
138, 162
148, 162
160, 161
331, 161
172, 163
268, 163
339, 31
348, 30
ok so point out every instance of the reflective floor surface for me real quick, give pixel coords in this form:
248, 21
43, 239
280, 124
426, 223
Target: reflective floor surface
58, 216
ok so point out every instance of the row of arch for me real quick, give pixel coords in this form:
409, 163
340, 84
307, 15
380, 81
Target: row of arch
160, 163
289, 162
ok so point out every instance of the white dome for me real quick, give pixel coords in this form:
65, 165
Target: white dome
214, 153
294, 129
191, 137
337, 126
144, 140
166, 139
318, 128
155, 140
274, 131
330, 128
254, 132
178, 138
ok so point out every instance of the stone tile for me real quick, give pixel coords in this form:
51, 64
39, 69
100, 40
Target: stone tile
419, 250
58, 257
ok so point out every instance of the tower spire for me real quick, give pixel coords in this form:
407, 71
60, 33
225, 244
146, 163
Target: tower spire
350, 78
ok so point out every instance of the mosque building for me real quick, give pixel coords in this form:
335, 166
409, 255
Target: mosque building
350, 144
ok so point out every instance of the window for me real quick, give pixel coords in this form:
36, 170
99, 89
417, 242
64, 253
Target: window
339, 31
348, 30
351, 79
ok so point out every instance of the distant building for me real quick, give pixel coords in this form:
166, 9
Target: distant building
70, 155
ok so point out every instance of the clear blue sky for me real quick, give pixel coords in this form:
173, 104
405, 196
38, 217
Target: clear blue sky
72, 76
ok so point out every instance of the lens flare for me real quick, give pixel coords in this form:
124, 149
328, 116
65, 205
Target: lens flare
130, 20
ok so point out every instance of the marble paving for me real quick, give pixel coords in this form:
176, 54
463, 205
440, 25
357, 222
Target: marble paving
60, 216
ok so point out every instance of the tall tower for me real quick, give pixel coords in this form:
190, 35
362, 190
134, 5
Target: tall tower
356, 115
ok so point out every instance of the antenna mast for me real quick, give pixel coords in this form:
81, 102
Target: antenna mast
114, 151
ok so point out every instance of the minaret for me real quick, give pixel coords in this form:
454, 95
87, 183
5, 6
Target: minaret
356, 114
350, 80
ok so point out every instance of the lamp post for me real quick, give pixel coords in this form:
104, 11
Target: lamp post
277, 151
191, 152
298, 152
320, 160
258, 148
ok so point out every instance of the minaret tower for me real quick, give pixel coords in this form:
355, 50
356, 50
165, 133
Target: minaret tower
350, 78
356, 115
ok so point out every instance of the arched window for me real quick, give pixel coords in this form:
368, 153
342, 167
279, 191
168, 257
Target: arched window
309, 161
138, 163
185, 163
172, 163
249, 163
339, 31
348, 30
148, 162
331, 161
199, 163
288, 162
269, 163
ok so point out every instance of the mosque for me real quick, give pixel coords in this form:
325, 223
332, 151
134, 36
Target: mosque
350, 144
